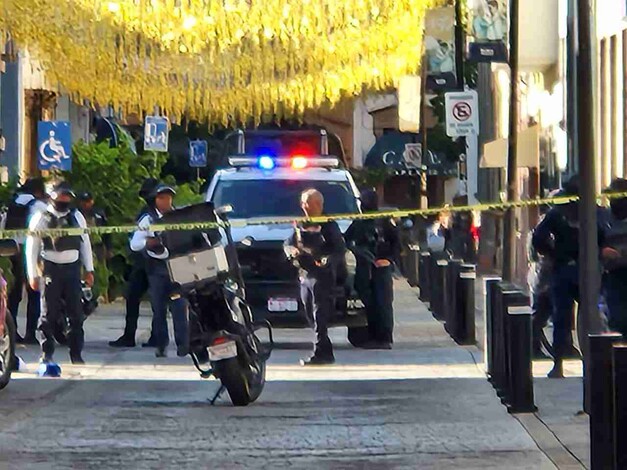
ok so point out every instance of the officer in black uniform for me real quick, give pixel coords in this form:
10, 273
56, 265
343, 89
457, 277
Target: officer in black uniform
28, 200
376, 245
95, 217
160, 286
614, 257
60, 281
557, 237
319, 250
137, 285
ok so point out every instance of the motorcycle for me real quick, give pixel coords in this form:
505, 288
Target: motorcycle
8, 330
204, 268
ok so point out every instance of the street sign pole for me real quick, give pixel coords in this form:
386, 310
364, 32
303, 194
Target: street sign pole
509, 226
460, 51
589, 276
424, 189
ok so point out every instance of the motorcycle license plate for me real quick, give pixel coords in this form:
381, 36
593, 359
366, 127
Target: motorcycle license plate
282, 305
222, 351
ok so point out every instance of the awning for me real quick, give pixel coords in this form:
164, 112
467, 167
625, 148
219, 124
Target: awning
401, 153
495, 152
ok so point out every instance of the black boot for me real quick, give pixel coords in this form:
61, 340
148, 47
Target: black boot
76, 358
151, 343
124, 341
558, 370
317, 360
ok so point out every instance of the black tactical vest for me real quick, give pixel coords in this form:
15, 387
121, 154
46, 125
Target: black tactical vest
64, 243
17, 214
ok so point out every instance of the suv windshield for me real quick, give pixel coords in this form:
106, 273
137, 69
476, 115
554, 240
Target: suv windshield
281, 198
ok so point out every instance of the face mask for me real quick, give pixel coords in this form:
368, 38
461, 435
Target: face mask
61, 206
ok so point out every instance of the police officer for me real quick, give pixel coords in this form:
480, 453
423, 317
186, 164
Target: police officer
95, 217
160, 285
557, 237
539, 280
60, 282
614, 257
137, 285
376, 244
28, 200
319, 250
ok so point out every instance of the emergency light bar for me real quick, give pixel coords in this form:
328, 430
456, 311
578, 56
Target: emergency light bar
266, 162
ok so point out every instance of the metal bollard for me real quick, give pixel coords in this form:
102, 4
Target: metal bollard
412, 265
520, 394
450, 296
424, 276
490, 288
619, 359
434, 294
510, 296
465, 325
602, 407
441, 275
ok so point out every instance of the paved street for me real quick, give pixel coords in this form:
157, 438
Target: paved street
426, 404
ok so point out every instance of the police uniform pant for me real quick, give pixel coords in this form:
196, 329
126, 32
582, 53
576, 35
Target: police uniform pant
565, 292
542, 307
160, 290
615, 284
15, 295
316, 293
136, 288
61, 296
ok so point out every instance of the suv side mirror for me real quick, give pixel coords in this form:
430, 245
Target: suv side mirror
224, 210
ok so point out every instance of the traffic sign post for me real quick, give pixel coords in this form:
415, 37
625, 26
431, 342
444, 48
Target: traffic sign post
462, 113
156, 132
198, 153
54, 145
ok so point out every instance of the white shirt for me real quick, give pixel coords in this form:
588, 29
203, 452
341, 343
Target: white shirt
140, 237
35, 251
435, 238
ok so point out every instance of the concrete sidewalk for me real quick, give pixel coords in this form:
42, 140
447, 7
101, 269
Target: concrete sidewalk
559, 426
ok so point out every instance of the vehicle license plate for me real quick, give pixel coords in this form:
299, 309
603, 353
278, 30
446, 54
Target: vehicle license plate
282, 305
222, 351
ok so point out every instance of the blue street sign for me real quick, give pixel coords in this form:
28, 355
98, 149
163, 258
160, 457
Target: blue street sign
156, 132
54, 145
198, 153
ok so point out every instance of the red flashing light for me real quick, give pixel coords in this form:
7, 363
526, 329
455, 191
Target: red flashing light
299, 162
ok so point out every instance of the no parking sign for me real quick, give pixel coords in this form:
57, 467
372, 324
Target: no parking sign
462, 113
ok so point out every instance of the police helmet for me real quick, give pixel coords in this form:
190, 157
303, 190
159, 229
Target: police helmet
162, 188
33, 185
147, 187
85, 196
369, 200
62, 188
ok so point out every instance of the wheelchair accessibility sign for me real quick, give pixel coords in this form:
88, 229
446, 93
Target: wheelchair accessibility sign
156, 130
198, 153
54, 145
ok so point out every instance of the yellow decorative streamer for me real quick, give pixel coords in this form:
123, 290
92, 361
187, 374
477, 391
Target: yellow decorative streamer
226, 60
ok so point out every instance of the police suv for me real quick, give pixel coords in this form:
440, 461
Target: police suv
265, 177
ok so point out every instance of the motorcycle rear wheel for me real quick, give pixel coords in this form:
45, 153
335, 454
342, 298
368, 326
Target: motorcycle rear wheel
7, 351
233, 377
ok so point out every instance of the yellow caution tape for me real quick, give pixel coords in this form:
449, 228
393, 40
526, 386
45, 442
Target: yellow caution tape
500, 206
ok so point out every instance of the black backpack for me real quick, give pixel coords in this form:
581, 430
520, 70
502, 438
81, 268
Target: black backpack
17, 214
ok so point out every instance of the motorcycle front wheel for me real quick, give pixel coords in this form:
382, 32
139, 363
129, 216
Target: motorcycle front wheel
7, 351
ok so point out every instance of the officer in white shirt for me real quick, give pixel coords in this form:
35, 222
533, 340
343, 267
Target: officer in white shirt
60, 281
27, 201
160, 285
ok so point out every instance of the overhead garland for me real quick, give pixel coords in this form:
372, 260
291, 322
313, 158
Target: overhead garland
225, 60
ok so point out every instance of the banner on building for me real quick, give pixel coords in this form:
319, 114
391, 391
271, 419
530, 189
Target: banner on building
409, 94
440, 48
489, 30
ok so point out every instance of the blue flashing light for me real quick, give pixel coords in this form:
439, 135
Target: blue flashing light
266, 163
